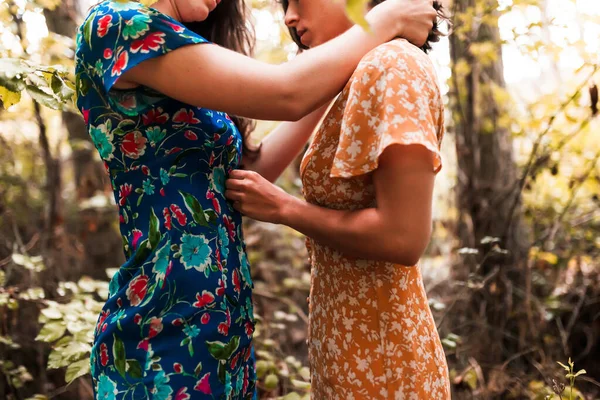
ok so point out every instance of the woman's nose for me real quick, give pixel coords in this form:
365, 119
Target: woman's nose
291, 17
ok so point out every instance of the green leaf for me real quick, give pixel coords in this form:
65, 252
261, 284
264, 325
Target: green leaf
198, 369
221, 372
43, 98
154, 233
51, 331
134, 369
191, 348
563, 365
356, 10
119, 355
580, 372
87, 29
223, 351
194, 207
61, 88
9, 97
77, 369
142, 252
211, 216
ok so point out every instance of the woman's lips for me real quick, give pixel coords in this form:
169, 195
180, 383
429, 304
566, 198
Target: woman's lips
301, 33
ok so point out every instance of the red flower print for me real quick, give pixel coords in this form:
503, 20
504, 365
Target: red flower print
182, 394
137, 319
246, 379
205, 318
177, 322
249, 328
103, 354
229, 140
235, 359
137, 289
137, 234
203, 385
156, 326
212, 159
155, 116
149, 43
174, 150
216, 137
248, 354
204, 300
124, 191
190, 135
236, 281
185, 116
86, 116
144, 344
162, 192
178, 368
230, 226
145, 170
121, 219
177, 213
106, 167
134, 145
103, 25
175, 27
223, 328
121, 61
167, 216
221, 289
108, 53
120, 302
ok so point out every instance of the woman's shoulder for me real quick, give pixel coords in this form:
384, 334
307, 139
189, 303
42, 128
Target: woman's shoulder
396, 55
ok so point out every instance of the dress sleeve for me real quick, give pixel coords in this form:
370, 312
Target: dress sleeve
393, 99
119, 36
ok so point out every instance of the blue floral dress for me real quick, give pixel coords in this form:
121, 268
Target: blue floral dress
178, 322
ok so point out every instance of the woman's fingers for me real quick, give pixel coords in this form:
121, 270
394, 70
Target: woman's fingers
234, 195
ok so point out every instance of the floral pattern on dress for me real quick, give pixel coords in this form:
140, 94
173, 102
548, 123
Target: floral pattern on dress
371, 332
179, 320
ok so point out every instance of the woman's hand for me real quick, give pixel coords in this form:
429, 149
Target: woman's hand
256, 197
410, 19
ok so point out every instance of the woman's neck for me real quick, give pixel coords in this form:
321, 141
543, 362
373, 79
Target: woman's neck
168, 7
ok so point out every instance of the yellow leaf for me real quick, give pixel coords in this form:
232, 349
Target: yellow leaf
148, 3
9, 97
356, 9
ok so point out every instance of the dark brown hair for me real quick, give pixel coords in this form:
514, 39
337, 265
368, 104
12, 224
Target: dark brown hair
434, 35
227, 25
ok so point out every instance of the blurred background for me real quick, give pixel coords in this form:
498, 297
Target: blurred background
513, 268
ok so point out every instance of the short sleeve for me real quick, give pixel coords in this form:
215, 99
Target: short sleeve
393, 98
119, 36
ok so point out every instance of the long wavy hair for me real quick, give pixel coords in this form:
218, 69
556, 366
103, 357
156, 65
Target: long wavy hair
434, 35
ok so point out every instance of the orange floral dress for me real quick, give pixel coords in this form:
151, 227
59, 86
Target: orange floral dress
371, 332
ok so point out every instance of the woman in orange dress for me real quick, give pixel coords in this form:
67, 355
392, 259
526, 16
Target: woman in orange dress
368, 179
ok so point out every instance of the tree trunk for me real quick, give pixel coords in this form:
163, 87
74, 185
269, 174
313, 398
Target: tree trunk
487, 177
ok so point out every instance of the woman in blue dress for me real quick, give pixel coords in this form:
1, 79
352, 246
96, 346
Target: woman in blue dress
178, 322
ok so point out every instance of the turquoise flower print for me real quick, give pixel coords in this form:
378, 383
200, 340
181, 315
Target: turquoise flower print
239, 383
148, 187
99, 67
245, 268
191, 331
155, 135
102, 138
195, 252
136, 26
164, 176
250, 308
228, 388
161, 262
224, 240
118, 316
217, 179
113, 286
107, 390
162, 391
